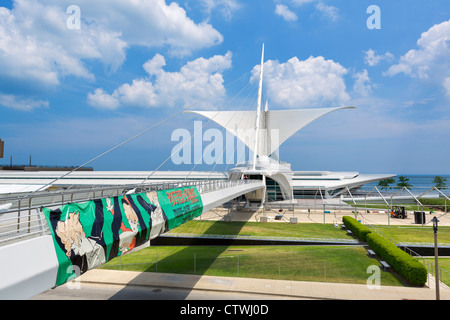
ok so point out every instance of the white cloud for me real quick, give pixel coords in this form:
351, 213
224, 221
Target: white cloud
372, 59
195, 81
151, 23
38, 50
314, 82
36, 43
20, 103
363, 84
329, 12
103, 100
447, 86
154, 65
430, 61
284, 12
226, 7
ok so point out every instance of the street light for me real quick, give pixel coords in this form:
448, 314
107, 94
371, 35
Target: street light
436, 255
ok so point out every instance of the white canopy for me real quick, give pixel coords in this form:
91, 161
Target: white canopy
275, 126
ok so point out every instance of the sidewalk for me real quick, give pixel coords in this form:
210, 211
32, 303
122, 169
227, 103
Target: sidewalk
318, 216
279, 288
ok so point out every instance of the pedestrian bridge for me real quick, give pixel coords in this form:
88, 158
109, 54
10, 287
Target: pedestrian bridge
32, 261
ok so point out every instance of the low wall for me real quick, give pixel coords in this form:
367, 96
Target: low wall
166, 240
28, 268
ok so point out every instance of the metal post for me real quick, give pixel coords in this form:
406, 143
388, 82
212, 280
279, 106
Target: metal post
18, 218
29, 214
436, 257
389, 213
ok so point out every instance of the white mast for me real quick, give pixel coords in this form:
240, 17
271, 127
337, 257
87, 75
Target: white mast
258, 109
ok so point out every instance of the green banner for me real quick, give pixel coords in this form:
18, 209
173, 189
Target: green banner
87, 235
180, 205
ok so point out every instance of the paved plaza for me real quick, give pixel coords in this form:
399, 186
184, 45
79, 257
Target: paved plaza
268, 289
319, 216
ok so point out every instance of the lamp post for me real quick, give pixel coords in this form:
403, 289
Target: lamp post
436, 255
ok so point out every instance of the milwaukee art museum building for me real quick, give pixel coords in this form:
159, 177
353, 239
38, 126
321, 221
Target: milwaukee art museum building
262, 131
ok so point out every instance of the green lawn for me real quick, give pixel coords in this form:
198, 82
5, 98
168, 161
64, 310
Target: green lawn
300, 230
404, 234
343, 264
415, 234
444, 263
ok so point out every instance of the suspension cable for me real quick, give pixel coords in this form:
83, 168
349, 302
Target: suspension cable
128, 140
181, 146
222, 130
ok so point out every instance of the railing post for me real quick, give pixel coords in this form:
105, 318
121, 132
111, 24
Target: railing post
18, 217
29, 214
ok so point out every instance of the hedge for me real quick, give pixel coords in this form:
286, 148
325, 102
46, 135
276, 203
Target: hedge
410, 268
360, 230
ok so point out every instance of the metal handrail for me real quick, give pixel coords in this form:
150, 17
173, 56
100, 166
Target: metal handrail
15, 226
428, 264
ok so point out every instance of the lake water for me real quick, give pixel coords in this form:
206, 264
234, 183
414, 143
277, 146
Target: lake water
420, 183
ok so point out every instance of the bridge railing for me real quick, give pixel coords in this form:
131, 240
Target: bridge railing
21, 217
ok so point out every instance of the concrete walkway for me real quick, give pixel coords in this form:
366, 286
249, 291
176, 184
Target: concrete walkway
279, 288
274, 288
318, 216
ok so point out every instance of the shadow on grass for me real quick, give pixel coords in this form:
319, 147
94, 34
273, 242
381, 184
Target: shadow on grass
196, 261
187, 257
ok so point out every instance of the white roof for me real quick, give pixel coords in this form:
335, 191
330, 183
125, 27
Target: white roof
334, 180
276, 126
40, 178
20, 188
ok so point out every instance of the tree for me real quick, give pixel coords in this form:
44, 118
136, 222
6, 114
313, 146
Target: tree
386, 183
440, 182
403, 183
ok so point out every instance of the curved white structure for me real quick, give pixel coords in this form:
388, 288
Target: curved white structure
272, 129
263, 132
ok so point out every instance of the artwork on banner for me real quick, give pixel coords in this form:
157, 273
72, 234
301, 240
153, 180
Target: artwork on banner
87, 235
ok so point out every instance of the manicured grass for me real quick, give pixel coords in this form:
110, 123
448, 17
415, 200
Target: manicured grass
444, 263
273, 229
416, 234
344, 264
404, 234
341, 264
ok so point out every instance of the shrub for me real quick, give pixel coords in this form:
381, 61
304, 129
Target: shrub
360, 230
410, 268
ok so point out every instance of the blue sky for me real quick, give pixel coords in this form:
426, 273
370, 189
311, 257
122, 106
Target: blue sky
67, 94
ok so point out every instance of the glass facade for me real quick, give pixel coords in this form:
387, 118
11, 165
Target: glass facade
273, 190
308, 194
